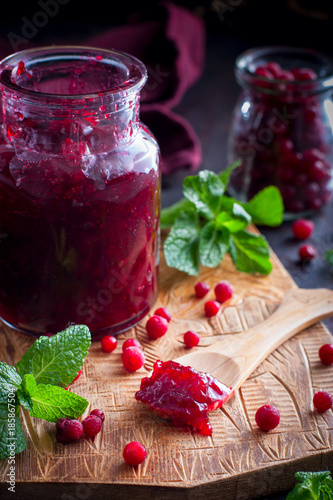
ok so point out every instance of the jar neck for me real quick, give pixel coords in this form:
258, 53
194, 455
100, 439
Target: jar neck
84, 129
70, 100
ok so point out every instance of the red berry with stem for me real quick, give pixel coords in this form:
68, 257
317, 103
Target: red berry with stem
156, 327
92, 425
326, 354
302, 228
307, 252
134, 453
191, 338
211, 308
164, 313
322, 401
98, 413
223, 291
131, 343
133, 358
201, 289
108, 343
267, 417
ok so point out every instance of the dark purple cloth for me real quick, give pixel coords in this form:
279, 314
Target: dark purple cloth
170, 41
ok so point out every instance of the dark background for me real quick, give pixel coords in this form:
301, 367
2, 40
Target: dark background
232, 26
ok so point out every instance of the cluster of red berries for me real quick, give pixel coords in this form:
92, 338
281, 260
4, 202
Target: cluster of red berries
132, 357
69, 430
223, 292
303, 229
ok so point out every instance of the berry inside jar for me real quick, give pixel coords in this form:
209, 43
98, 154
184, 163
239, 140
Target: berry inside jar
281, 129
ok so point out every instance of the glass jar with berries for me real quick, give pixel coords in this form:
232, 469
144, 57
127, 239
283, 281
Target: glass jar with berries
79, 192
281, 127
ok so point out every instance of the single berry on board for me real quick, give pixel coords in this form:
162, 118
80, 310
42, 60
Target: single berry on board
223, 291
326, 354
131, 343
92, 425
68, 430
322, 401
133, 358
156, 327
134, 453
201, 289
163, 311
267, 417
191, 338
108, 343
211, 308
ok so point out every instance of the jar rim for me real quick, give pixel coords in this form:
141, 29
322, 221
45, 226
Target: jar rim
135, 73
248, 60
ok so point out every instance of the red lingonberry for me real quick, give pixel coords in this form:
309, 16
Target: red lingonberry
211, 308
164, 313
201, 289
322, 401
134, 453
92, 425
131, 343
98, 413
223, 291
68, 430
191, 338
73, 429
133, 358
307, 252
326, 354
267, 417
302, 228
156, 327
108, 343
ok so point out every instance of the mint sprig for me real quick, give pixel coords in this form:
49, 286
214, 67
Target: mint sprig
329, 256
207, 224
312, 486
37, 383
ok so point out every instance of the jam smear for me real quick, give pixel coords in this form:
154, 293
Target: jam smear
183, 395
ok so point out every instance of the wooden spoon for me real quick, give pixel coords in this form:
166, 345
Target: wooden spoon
234, 358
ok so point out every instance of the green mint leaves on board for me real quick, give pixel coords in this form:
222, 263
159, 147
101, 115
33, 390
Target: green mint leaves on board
38, 382
312, 486
206, 224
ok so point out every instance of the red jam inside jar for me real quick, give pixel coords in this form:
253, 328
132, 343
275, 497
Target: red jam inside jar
79, 192
282, 127
183, 395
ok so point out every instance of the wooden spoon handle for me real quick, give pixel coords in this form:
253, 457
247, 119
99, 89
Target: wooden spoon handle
234, 358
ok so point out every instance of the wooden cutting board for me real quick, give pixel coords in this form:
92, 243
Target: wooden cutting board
238, 461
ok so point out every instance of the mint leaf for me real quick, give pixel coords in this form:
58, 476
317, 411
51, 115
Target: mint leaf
250, 253
56, 360
51, 402
170, 214
224, 176
213, 244
329, 256
181, 247
236, 219
10, 381
312, 486
12, 440
27, 389
204, 191
266, 207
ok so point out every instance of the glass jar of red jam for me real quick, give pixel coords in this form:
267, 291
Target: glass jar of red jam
79, 192
281, 127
